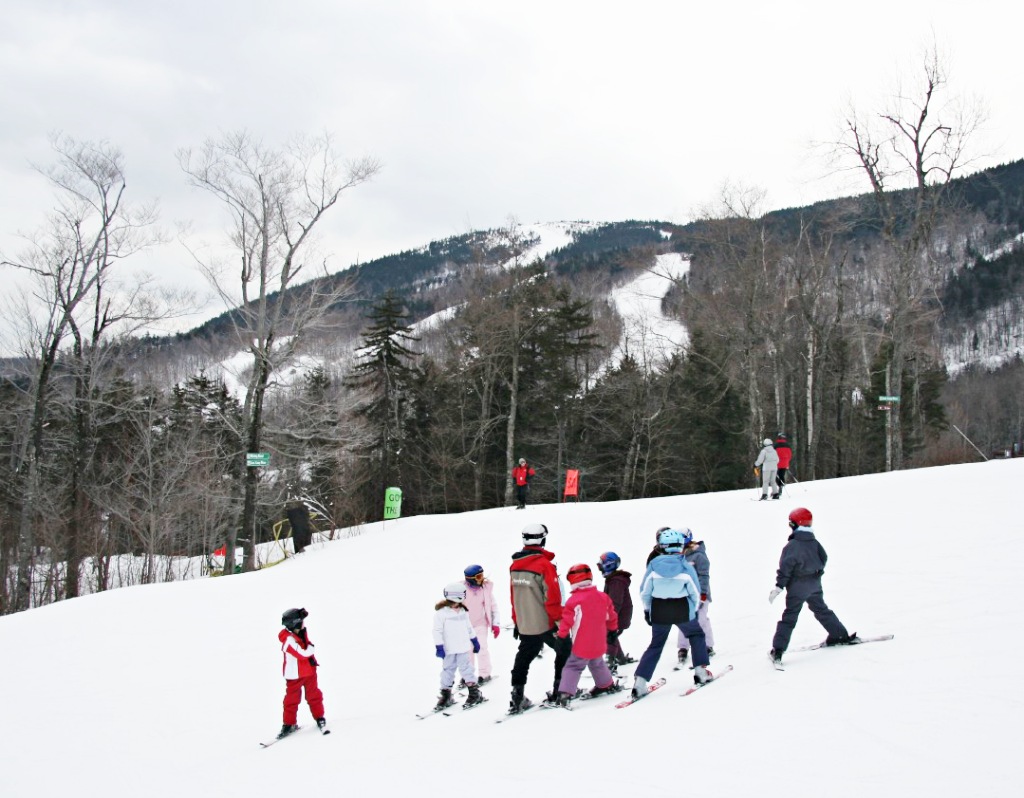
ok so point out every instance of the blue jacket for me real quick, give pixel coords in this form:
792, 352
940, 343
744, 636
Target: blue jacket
669, 576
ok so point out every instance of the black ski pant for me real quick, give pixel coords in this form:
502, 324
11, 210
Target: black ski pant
530, 646
521, 493
805, 590
780, 479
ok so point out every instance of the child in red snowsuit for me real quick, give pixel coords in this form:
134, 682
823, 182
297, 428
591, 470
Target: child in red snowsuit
299, 671
590, 618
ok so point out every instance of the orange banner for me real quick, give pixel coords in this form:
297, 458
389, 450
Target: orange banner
572, 482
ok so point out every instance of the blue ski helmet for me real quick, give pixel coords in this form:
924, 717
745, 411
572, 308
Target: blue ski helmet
687, 536
474, 574
671, 541
608, 562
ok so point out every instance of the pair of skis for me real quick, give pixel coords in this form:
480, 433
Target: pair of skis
276, 740
856, 641
662, 682
449, 709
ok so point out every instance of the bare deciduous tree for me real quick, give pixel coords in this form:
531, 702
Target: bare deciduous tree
276, 199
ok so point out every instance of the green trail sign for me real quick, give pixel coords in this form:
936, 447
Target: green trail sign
888, 398
257, 459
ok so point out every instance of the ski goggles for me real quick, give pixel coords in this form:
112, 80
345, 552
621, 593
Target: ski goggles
478, 578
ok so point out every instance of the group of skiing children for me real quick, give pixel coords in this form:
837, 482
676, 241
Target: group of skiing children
584, 630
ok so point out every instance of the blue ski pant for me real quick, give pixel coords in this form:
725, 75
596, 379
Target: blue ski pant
659, 634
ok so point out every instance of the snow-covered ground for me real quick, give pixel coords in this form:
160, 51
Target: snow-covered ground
648, 334
165, 690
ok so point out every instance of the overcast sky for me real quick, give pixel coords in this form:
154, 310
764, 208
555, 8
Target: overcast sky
481, 110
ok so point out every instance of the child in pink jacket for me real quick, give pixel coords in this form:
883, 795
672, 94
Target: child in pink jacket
483, 615
299, 671
590, 618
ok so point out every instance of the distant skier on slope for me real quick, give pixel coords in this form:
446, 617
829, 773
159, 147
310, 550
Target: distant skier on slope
299, 670
521, 475
768, 462
800, 570
785, 452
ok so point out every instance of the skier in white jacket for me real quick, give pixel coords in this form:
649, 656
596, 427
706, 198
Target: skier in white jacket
768, 461
455, 642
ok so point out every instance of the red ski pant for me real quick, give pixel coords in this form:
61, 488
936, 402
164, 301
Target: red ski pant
293, 695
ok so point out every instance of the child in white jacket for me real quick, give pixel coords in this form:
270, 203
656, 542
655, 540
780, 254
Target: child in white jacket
483, 615
455, 642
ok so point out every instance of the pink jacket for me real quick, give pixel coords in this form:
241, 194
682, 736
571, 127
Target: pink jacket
296, 657
589, 615
483, 612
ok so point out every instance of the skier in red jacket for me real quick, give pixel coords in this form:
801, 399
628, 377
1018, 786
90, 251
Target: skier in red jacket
785, 453
521, 474
299, 671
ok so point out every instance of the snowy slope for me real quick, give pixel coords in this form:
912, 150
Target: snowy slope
165, 690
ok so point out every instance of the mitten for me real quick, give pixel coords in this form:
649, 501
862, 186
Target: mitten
495, 630
774, 594
515, 632
647, 617
611, 636
703, 596
476, 645
757, 471
313, 662
440, 651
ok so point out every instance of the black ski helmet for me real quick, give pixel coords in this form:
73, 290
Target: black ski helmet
292, 619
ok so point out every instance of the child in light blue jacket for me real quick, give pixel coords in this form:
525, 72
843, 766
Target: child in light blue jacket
670, 593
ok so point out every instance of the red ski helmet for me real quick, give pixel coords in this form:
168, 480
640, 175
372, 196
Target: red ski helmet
801, 516
580, 573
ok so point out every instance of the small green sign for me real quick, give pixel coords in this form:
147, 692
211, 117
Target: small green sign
392, 503
888, 398
257, 459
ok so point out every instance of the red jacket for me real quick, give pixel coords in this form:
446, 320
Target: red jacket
296, 663
784, 451
522, 474
589, 616
536, 594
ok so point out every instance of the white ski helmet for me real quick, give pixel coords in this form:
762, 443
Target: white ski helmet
456, 591
767, 441
534, 534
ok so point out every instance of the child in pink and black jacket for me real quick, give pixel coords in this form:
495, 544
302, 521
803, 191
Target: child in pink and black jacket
591, 619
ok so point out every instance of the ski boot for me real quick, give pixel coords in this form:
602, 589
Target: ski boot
474, 697
445, 700
611, 688
776, 656
286, 729
840, 641
321, 724
484, 680
684, 654
519, 702
711, 653
702, 675
639, 687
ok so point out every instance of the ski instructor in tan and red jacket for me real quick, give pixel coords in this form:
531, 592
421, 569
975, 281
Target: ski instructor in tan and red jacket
536, 608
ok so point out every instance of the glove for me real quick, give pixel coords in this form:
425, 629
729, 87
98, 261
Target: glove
611, 637
774, 594
476, 645
703, 597
495, 630
440, 651
515, 632
647, 617
313, 662
757, 471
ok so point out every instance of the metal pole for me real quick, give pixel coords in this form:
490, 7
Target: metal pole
979, 451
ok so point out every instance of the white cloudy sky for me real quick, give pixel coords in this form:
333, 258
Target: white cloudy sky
480, 111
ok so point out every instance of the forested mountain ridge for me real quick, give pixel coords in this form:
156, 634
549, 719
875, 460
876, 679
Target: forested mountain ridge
810, 321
